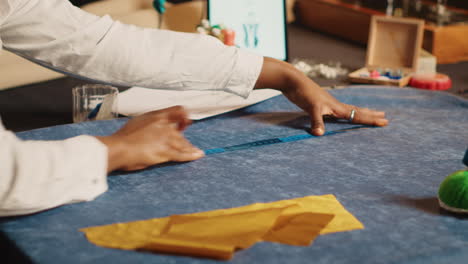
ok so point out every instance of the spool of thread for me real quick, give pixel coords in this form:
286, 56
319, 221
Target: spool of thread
374, 74
229, 37
453, 191
431, 81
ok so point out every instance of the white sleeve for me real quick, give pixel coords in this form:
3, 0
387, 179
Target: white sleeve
39, 175
58, 35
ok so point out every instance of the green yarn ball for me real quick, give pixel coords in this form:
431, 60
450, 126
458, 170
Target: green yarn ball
453, 192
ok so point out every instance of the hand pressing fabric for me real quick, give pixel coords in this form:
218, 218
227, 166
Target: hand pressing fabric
311, 98
153, 138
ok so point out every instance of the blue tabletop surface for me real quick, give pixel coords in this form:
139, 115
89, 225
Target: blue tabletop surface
387, 177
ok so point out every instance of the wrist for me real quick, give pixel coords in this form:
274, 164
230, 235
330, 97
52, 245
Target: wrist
115, 152
279, 75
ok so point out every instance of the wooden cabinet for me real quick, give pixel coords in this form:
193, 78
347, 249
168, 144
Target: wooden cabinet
351, 20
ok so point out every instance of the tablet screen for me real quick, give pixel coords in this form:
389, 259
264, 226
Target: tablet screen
259, 25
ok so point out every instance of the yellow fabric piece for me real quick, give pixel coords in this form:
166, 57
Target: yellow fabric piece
217, 234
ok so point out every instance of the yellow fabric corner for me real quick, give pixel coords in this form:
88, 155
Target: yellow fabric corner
217, 234
299, 229
131, 235
323, 206
328, 204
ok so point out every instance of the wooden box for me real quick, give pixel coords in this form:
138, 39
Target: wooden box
394, 44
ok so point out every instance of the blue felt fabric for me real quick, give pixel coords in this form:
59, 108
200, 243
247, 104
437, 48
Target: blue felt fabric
387, 177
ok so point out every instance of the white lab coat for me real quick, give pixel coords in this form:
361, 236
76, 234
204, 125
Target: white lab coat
38, 175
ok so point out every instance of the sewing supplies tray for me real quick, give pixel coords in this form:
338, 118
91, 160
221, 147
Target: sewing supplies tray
393, 47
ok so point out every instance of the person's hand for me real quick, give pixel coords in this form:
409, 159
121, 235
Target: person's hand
311, 98
153, 138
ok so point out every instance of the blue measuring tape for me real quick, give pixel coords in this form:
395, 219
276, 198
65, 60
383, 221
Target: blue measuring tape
272, 141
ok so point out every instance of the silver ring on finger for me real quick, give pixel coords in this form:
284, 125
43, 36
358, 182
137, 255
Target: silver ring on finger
351, 115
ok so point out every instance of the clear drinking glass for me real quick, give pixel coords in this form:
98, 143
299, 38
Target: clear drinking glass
94, 102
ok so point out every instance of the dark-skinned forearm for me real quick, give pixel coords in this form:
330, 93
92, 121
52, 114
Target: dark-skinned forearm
284, 77
277, 75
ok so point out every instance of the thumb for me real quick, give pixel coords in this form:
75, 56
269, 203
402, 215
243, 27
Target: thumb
189, 154
316, 122
178, 115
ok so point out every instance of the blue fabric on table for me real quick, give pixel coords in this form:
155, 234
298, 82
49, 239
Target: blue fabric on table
387, 177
